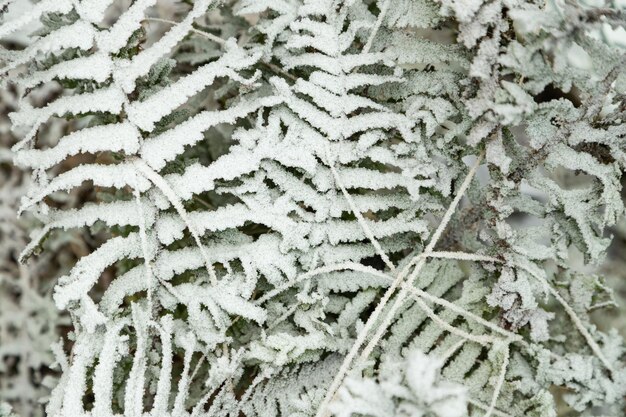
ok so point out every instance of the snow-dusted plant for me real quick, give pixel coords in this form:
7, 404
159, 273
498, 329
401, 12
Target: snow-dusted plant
327, 207
409, 387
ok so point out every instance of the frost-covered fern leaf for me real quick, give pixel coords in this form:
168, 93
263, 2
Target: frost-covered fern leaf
273, 182
207, 262
119, 92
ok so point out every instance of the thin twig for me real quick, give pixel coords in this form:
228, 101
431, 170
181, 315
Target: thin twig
353, 266
173, 198
495, 412
483, 340
207, 35
452, 350
461, 311
379, 22
499, 382
144, 246
222, 42
368, 232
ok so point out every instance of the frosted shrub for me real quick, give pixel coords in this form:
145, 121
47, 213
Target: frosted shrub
315, 207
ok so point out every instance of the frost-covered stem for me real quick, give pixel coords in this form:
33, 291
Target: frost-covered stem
499, 382
462, 256
379, 22
103, 373
217, 400
136, 378
604, 304
345, 366
173, 198
30, 136
485, 407
284, 317
452, 208
165, 378
483, 340
571, 313
196, 368
347, 362
461, 311
144, 245
250, 390
318, 271
207, 35
382, 328
595, 104
452, 350
198, 407
181, 396
368, 232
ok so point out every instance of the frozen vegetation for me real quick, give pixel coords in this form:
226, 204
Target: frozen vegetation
240, 208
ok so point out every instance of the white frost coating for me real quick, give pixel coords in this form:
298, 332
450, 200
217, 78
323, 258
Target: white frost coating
342, 83
146, 113
170, 228
607, 174
332, 65
415, 383
257, 254
165, 147
92, 10
96, 67
116, 176
90, 316
227, 301
135, 380
287, 253
373, 180
129, 283
336, 105
128, 72
227, 167
240, 160
300, 191
162, 395
337, 231
88, 269
116, 37
116, 213
103, 374
85, 352
114, 138
163, 186
105, 100
77, 35
38, 10
336, 128
323, 37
